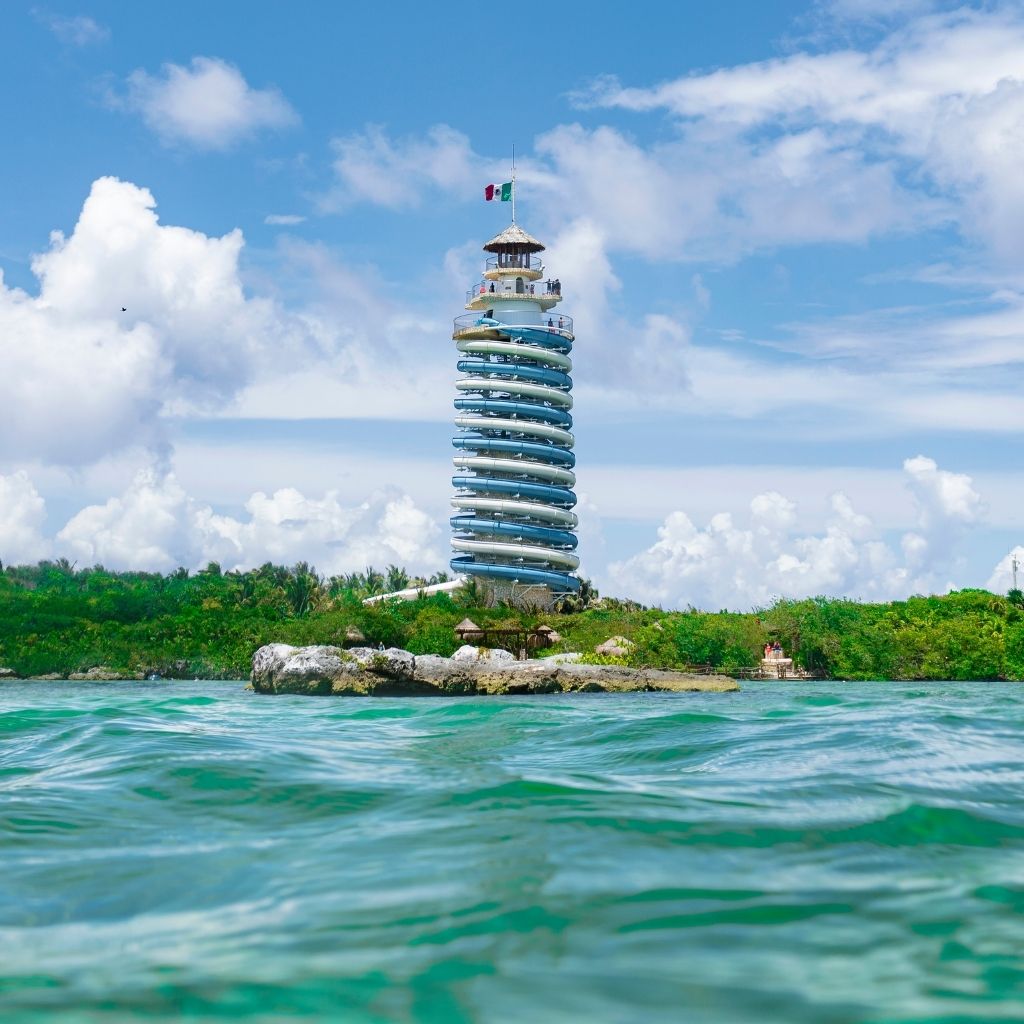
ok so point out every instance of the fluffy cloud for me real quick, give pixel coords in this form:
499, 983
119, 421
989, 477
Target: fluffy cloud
22, 513
922, 127
208, 104
938, 103
371, 167
156, 525
727, 564
79, 388
93, 376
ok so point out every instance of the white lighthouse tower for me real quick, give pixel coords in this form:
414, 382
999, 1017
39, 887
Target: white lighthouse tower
513, 526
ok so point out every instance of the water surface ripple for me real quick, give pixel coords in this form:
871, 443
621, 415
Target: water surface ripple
795, 852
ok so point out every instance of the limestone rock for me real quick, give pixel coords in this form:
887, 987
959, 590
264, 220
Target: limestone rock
100, 673
7, 673
280, 668
446, 676
563, 658
393, 663
488, 655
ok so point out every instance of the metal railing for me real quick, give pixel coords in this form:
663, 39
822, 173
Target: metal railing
507, 289
560, 323
514, 261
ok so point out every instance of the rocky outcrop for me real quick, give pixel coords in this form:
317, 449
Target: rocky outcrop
7, 673
279, 668
102, 674
485, 655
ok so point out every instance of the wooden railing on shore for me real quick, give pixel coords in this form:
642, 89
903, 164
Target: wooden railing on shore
779, 672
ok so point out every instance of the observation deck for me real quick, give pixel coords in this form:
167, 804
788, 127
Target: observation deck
472, 325
529, 267
483, 294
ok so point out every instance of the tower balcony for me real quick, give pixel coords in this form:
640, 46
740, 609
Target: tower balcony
468, 326
530, 267
485, 292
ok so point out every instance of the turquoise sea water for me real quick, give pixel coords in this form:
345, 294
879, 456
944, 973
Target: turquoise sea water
795, 852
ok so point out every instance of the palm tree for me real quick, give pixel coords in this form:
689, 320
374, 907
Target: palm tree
304, 589
373, 581
397, 579
471, 593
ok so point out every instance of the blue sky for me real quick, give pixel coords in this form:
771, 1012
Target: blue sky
790, 234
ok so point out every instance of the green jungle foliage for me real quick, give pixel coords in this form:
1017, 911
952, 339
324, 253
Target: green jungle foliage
55, 619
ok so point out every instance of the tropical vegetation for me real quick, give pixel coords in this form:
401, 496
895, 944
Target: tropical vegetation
58, 619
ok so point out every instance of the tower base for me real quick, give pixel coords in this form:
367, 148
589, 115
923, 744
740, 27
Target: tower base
523, 596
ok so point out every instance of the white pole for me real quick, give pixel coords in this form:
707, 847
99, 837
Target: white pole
513, 183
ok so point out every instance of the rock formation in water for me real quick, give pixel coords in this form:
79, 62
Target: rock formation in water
280, 668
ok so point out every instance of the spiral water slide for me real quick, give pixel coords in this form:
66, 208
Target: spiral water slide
514, 467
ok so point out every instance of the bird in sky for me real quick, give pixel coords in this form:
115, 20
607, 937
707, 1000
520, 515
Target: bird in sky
124, 309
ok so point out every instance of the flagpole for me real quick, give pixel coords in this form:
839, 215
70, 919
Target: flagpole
513, 183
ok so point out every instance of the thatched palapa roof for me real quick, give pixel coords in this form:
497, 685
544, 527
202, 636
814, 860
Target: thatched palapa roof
513, 239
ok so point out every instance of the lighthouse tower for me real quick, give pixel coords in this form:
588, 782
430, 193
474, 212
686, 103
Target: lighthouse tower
513, 523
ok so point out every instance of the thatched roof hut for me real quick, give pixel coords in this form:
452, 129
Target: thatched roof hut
514, 239
467, 629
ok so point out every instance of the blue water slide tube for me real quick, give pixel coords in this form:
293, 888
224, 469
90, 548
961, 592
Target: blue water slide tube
516, 350
517, 376
548, 493
557, 581
516, 371
542, 452
546, 337
505, 528
510, 407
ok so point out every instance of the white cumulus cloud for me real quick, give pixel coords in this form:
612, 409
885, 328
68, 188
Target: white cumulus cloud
154, 524
730, 564
22, 514
131, 317
208, 104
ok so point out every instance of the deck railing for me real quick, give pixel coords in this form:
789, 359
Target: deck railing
514, 261
507, 289
562, 323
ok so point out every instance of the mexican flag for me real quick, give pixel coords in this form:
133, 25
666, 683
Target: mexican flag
502, 192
